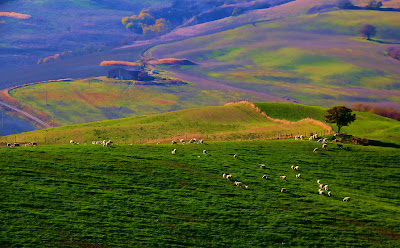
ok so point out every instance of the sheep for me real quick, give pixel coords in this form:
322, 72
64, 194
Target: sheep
320, 140
72, 142
320, 192
296, 168
325, 140
246, 187
27, 144
174, 142
173, 151
340, 146
93, 142
9, 144
205, 152
318, 181
292, 167
182, 140
326, 187
283, 190
324, 146
315, 150
16, 144
329, 193
201, 141
346, 199
298, 175
223, 175
235, 156
301, 137
321, 186
229, 177
192, 141
262, 166
311, 138
283, 177
315, 136
265, 177
237, 183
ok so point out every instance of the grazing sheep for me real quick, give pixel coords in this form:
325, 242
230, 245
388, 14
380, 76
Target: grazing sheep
315, 136
296, 168
174, 142
192, 141
315, 150
283, 177
262, 166
182, 140
301, 137
27, 144
292, 167
9, 144
318, 181
235, 156
264, 177
324, 146
16, 144
223, 175
320, 140
205, 152
173, 151
283, 190
325, 140
93, 142
329, 193
346, 199
237, 183
320, 192
298, 175
72, 142
229, 177
321, 186
201, 141
326, 187
311, 138
246, 187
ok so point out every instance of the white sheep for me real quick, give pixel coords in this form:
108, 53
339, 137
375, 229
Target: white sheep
320, 140
201, 141
264, 176
318, 181
296, 168
229, 177
283, 177
326, 187
311, 138
315, 150
292, 167
9, 144
235, 156
283, 190
301, 137
205, 152
298, 175
262, 166
346, 198
182, 140
321, 186
173, 151
320, 192
237, 183
329, 193
324, 146
174, 142
72, 142
246, 187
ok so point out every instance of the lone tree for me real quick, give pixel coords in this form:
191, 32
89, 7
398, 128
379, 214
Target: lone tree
367, 31
340, 115
345, 4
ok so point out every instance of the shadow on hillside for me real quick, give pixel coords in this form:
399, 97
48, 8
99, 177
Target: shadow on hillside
383, 144
383, 42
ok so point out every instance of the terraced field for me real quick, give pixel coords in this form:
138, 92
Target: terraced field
142, 195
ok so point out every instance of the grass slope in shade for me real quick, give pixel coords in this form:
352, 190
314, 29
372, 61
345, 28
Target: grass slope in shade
238, 121
313, 59
367, 125
141, 196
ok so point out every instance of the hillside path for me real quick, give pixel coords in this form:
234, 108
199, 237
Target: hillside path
33, 118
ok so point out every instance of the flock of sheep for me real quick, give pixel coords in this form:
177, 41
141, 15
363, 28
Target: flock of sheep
18, 144
322, 188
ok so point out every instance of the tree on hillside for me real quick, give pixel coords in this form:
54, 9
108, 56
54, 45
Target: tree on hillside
345, 4
374, 5
367, 31
340, 115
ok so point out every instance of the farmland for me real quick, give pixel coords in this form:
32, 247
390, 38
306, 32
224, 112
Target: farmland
142, 196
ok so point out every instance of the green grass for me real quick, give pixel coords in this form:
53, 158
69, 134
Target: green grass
213, 123
141, 196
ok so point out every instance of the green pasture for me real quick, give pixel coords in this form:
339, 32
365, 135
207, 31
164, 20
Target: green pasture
96, 99
142, 196
314, 59
232, 122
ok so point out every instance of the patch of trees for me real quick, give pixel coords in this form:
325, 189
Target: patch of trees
393, 52
382, 111
145, 22
372, 5
367, 31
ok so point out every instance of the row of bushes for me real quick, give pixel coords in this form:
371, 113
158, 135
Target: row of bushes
393, 52
382, 111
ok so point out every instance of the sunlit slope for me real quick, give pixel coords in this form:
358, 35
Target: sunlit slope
238, 121
367, 125
313, 59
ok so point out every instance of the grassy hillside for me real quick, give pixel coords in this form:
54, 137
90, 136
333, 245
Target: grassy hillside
231, 122
96, 99
239, 121
141, 196
313, 59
